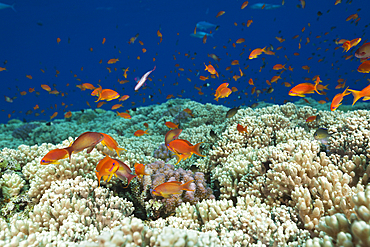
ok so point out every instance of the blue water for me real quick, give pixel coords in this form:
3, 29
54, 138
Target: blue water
29, 43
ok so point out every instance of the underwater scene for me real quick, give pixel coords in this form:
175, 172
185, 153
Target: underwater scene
185, 123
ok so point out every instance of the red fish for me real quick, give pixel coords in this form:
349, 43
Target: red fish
336, 102
359, 94
172, 135
111, 144
181, 146
304, 88
171, 188
211, 69
140, 170
222, 91
124, 172
107, 94
171, 125
141, 132
53, 156
106, 168
86, 140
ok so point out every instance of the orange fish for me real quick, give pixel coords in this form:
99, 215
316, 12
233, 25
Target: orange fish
364, 67
96, 91
88, 86
106, 168
241, 128
278, 67
125, 73
211, 69
203, 78
171, 188
29, 76
249, 22
86, 140
116, 106
222, 91
171, 125
45, 87
53, 156
184, 156
113, 60
124, 172
2, 69
108, 95
244, 4
220, 13
103, 41
256, 52
312, 118
188, 111
359, 94
68, 114
58, 40
251, 82
181, 146
124, 115
304, 88
111, 144
140, 170
124, 97
336, 102
54, 115
204, 40
141, 132
171, 135
239, 41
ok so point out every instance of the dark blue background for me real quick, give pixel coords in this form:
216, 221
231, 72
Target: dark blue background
28, 44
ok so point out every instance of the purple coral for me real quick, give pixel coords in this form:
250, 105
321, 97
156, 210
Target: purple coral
161, 173
181, 116
163, 153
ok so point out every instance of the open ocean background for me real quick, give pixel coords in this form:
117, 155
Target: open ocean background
29, 43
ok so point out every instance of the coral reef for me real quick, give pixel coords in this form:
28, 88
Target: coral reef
273, 185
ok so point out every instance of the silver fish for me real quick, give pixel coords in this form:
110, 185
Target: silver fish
267, 6
201, 35
5, 6
203, 25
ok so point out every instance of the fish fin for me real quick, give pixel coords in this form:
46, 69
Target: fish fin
98, 175
90, 149
186, 186
12, 6
118, 150
69, 151
315, 88
356, 95
346, 92
196, 149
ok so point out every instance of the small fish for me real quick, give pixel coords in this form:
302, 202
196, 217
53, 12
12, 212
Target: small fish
113, 60
124, 115
230, 113
304, 88
106, 168
140, 170
111, 144
364, 67
181, 146
171, 135
220, 13
5, 6
143, 79
313, 118
211, 69
241, 128
141, 132
68, 114
86, 140
222, 91
322, 136
171, 188
337, 100
363, 52
201, 35
53, 156
256, 52
108, 95
264, 6
203, 25
171, 125
213, 134
124, 172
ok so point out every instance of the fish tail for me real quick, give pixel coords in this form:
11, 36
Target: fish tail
346, 92
97, 174
356, 95
129, 178
69, 151
12, 6
196, 149
317, 83
186, 186
118, 150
